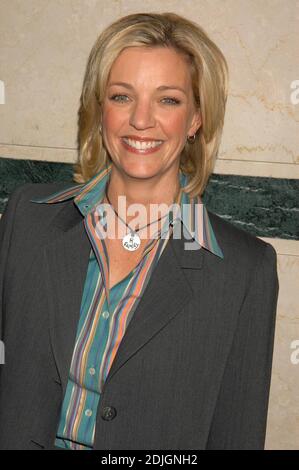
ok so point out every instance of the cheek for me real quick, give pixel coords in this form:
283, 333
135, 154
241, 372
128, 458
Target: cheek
175, 124
113, 119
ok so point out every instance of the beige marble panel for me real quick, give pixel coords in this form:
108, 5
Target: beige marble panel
43, 53
255, 168
36, 152
283, 416
283, 246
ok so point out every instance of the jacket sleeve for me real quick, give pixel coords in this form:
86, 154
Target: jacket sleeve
6, 230
240, 416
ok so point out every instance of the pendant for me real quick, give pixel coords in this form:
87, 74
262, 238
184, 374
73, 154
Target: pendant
131, 241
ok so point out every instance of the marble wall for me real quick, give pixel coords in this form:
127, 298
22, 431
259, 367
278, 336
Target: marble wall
43, 51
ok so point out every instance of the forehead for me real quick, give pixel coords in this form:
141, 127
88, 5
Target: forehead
150, 64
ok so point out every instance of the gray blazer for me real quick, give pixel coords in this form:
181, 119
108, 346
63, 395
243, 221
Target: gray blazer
194, 367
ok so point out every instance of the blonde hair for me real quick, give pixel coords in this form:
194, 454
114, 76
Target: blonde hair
209, 75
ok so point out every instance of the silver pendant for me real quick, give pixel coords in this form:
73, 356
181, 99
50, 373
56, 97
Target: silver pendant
131, 241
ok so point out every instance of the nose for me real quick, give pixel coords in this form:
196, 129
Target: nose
142, 115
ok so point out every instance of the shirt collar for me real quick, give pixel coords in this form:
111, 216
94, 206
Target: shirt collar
192, 213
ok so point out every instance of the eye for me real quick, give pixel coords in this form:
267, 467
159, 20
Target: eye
172, 101
123, 98
113, 98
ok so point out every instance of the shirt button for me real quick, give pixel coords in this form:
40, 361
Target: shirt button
88, 412
105, 314
108, 413
92, 371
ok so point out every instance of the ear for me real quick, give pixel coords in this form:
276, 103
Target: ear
196, 122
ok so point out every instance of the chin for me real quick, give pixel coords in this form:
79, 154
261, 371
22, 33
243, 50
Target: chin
141, 171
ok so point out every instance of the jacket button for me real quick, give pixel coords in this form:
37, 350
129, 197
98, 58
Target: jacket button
108, 413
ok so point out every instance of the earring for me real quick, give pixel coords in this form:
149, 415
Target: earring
191, 138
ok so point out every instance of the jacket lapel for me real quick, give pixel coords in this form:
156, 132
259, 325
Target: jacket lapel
66, 263
167, 292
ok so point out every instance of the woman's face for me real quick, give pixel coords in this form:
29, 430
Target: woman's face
149, 96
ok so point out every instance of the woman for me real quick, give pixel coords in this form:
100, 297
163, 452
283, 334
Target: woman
147, 331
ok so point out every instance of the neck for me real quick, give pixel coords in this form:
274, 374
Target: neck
145, 191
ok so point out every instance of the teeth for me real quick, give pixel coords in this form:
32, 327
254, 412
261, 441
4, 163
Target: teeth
142, 145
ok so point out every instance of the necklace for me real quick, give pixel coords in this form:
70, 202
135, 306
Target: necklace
131, 241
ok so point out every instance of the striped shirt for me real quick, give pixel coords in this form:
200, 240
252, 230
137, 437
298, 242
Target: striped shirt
106, 313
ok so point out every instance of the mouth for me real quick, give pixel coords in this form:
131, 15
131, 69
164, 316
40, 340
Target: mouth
141, 146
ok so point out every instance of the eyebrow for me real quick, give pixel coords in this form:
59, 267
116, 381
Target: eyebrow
160, 88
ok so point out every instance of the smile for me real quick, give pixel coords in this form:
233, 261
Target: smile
141, 147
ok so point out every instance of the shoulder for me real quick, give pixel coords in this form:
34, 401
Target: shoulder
21, 215
40, 190
36, 190
22, 195
239, 247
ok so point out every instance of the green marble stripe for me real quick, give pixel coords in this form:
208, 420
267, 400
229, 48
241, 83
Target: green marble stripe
266, 207
14, 173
